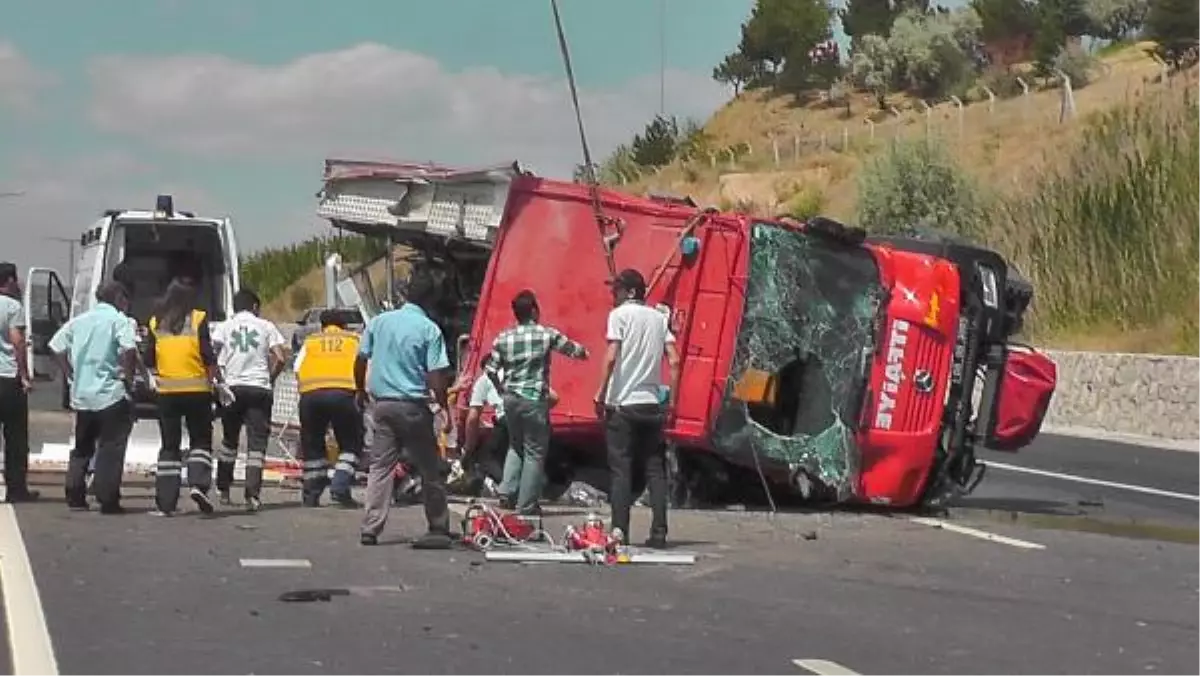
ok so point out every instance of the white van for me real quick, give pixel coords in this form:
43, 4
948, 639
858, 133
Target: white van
150, 243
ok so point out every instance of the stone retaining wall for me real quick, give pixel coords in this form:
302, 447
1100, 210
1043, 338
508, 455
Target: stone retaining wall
1147, 395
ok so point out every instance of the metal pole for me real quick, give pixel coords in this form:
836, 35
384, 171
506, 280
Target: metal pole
662, 57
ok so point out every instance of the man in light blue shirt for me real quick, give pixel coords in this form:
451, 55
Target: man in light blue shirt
407, 357
98, 352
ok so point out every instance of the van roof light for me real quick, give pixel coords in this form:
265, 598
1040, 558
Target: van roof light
164, 207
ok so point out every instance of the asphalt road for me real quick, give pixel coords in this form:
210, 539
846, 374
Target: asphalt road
871, 592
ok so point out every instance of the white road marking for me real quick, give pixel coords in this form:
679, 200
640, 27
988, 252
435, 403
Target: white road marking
276, 563
976, 533
824, 668
29, 643
1095, 482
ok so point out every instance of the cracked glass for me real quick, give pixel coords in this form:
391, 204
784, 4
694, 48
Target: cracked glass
800, 368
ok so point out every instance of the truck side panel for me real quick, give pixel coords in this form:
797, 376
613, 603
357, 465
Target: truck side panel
550, 243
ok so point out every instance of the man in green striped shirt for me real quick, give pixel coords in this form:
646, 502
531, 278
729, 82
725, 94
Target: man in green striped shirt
522, 353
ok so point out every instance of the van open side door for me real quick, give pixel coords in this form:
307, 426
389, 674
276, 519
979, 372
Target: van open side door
46, 306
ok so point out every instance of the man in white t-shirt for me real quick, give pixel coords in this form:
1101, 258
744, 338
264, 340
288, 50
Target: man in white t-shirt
632, 402
251, 357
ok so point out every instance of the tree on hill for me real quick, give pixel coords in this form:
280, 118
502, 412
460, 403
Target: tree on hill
655, 146
1175, 26
931, 55
1115, 19
866, 17
737, 71
1007, 29
777, 40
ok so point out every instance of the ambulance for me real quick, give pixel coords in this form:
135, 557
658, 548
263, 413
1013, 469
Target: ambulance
151, 243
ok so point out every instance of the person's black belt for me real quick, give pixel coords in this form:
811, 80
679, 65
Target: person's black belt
404, 400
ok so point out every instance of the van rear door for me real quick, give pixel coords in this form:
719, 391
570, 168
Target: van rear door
232, 267
46, 306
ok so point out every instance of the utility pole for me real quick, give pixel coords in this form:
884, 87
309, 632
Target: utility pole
71, 242
662, 57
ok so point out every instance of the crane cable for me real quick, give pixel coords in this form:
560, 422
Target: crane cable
607, 241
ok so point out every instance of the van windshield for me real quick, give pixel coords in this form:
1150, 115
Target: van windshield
799, 368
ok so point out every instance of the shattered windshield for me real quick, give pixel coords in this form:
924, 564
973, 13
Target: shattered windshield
800, 365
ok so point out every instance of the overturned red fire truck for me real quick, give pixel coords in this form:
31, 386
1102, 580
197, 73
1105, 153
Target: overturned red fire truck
817, 362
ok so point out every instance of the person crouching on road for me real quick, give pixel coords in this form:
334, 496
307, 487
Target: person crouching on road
251, 358
523, 354
181, 352
630, 402
325, 371
97, 351
406, 353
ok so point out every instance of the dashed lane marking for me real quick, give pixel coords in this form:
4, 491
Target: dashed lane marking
30, 647
275, 563
976, 533
824, 667
1095, 482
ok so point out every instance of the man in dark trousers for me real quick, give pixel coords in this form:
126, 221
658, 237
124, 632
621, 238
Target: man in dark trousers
97, 350
522, 353
251, 357
325, 374
632, 401
406, 353
15, 382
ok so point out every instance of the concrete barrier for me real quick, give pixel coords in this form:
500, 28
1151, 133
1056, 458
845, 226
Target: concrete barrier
1136, 394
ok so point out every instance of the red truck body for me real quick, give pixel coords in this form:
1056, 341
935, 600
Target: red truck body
549, 242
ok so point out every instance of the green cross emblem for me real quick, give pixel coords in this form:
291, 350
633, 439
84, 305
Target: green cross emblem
244, 339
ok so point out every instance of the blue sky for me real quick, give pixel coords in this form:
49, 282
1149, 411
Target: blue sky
232, 105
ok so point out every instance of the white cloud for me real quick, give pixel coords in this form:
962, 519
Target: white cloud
374, 100
20, 81
60, 199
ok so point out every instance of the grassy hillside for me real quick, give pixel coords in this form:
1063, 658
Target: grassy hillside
1100, 210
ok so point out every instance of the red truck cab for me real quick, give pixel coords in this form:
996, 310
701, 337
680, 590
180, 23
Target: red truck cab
829, 363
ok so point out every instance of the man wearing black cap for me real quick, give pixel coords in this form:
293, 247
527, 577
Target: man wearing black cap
15, 382
633, 403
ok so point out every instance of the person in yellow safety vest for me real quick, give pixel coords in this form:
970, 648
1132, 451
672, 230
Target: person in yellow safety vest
325, 371
181, 353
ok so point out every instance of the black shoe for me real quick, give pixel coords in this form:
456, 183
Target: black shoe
202, 500
432, 540
26, 495
112, 509
368, 540
344, 500
656, 542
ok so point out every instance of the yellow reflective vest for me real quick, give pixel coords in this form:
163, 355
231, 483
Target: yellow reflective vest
177, 357
328, 362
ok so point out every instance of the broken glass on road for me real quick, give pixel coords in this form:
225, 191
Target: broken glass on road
802, 356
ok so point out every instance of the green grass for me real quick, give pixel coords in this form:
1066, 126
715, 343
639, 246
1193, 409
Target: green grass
269, 272
1109, 235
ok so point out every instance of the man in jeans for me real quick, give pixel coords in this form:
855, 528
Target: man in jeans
407, 356
98, 352
631, 400
15, 381
522, 353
